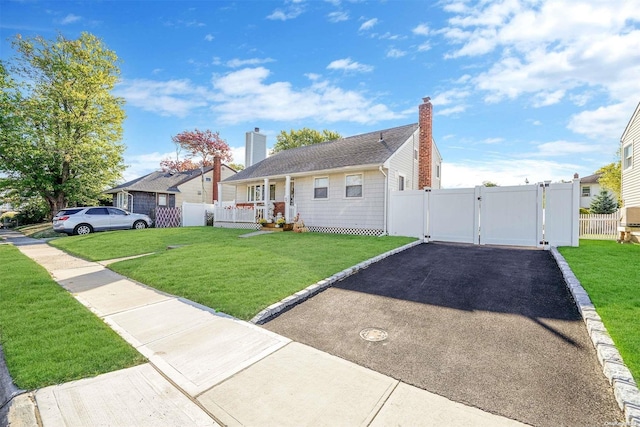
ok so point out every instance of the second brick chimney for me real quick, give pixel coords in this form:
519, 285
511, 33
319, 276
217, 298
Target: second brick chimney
425, 143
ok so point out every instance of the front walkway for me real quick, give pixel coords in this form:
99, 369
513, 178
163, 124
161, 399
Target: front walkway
206, 368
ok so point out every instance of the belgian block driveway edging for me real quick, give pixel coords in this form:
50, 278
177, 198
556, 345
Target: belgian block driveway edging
317, 287
625, 388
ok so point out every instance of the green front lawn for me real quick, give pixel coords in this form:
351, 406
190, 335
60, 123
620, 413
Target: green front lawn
216, 268
47, 336
610, 273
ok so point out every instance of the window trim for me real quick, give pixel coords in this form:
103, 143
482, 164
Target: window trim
314, 187
629, 157
404, 182
361, 185
587, 193
166, 200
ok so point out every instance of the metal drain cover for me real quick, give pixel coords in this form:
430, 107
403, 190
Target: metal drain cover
373, 334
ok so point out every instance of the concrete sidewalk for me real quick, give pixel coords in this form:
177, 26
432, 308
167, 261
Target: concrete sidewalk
206, 368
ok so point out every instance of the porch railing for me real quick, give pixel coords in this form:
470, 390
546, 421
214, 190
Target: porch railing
238, 213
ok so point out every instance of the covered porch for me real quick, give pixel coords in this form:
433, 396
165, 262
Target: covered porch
256, 202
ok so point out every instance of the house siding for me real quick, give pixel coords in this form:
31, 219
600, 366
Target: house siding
145, 203
631, 177
337, 211
189, 190
403, 162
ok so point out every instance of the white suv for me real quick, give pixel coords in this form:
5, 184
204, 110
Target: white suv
85, 220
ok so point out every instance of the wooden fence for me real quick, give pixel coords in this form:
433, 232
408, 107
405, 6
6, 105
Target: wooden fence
599, 226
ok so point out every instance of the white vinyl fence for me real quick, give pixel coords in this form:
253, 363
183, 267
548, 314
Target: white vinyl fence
538, 215
195, 214
599, 226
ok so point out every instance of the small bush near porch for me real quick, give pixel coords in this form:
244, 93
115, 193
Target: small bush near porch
610, 273
216, 268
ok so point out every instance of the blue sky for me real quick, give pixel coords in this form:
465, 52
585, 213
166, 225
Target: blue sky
522, 89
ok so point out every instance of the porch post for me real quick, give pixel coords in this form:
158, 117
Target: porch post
265, 198
287, 199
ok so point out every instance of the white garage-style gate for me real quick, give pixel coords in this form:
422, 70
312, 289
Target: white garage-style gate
539, 215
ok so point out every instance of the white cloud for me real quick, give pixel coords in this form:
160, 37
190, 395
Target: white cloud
70, 19
395, 53
143, 164
292, 11
553, 51
505, 172
167, 98
338, 16
238, 154
423, 47
235, 63
607, 122
347, 64
565, 148
209, 37
244, 95
369, 24
421, 30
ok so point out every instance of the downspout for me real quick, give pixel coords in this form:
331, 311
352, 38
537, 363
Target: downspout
386, 190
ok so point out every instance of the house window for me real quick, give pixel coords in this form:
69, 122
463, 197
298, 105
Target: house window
415, 154
438, 171
401, 179
627, 157
254, 192
321, 188
208, 179
162, 200
353, 184
586, 191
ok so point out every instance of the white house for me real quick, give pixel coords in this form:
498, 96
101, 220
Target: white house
342, 186
590, 188
630, 157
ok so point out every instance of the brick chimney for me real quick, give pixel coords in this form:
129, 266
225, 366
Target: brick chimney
217, 176
425, 146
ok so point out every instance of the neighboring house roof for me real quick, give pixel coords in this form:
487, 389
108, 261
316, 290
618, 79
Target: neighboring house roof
159, 182
591, 179
358, 150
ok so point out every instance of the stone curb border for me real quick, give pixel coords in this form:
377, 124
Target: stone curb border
625, 388
275, 309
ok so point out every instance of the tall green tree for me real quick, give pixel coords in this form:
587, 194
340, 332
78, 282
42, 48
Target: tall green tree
611, 178
603, 203
61, 128
302, 137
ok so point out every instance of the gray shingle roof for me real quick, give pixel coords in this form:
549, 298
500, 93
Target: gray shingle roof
364, 149
159, 182
591, 179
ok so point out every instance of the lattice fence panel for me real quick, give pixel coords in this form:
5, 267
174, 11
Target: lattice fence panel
341, 230
168, 217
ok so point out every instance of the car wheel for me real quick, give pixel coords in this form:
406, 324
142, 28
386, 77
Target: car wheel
139, 225
83, 229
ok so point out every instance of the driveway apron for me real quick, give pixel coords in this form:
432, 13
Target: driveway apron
489, 327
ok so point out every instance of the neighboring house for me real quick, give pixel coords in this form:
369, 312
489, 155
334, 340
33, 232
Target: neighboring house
343, 186
590, 188
630, 157
165, 189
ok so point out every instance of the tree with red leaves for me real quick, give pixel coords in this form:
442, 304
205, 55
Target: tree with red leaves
201, 145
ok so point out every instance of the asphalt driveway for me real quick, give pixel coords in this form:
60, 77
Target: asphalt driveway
490, 327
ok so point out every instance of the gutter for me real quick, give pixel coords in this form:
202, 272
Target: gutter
386, 190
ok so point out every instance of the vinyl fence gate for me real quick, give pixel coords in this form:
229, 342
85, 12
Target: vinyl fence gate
538, 215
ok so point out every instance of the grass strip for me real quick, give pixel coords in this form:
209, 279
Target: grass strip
238, 276
47, 336
610, 273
